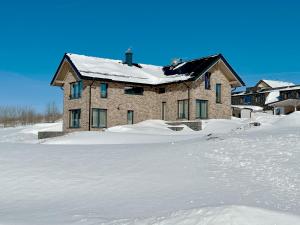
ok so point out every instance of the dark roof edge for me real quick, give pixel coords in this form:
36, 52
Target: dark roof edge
220, 56
232, 70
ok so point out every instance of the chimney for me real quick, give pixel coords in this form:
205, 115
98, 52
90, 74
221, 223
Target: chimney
128, 57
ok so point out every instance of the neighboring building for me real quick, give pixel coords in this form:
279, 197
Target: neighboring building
100, 93
269, 94
245, 111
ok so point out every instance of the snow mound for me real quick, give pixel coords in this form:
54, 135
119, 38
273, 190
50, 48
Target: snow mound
227, 215
28, 133
291, 120
149, 131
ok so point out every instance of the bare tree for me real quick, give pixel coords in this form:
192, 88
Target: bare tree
52, 113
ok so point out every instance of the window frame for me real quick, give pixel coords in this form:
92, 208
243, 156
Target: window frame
178, 113
219, 93
98, 115
106, 90
127, 88
80, 89
130, 111
71, 118
199, 101
207, 81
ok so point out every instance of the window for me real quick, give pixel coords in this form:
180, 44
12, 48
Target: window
99, 118
207, 80
161, 90
247, 100
103, 90
163, 110
76, 90
201, 109
183, 109
129, 117
134, 90
75, 118
258, 99
241, 100
218, 93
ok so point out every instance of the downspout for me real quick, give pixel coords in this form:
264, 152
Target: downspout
188, 89
90, 103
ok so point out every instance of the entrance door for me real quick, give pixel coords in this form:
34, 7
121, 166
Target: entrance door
163, 111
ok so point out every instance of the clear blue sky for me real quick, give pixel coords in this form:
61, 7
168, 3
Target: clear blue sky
260, 39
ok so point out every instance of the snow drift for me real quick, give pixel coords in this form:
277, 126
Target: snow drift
148, 175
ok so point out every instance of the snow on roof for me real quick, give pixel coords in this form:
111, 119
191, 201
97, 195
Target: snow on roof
277, 83
273, 96
118, 71
252, 107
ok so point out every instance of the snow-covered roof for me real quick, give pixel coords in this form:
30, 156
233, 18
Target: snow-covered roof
277, 83
273, 96
118, 71
87, 67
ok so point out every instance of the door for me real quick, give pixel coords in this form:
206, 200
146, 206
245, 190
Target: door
163, 111
129, 117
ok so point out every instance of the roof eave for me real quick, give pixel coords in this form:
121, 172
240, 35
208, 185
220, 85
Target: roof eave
65, 57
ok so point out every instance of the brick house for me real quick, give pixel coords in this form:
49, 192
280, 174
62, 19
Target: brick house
100, 93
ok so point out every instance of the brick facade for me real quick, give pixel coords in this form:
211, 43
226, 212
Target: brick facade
148, 105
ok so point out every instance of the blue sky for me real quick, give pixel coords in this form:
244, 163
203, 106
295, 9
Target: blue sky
260, 39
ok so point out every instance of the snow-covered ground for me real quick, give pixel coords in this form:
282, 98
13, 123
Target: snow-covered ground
230, 173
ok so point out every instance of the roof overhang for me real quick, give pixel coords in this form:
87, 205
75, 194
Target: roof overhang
286, 103
65, 65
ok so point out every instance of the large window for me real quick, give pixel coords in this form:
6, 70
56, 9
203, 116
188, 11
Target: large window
134, 90
75, 118
103, 90
99, 118
76, 90
183, 109
218, 93
129, 117
247, 99
201, 109
207, 80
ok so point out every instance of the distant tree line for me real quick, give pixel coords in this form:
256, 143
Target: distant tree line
24, 115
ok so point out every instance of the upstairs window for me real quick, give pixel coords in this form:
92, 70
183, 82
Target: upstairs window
76, 90
134, 90
103, 90
218, 93
183, 109
207, 80
75, 118
161, 90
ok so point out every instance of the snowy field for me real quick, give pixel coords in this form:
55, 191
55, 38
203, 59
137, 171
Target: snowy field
230, 173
